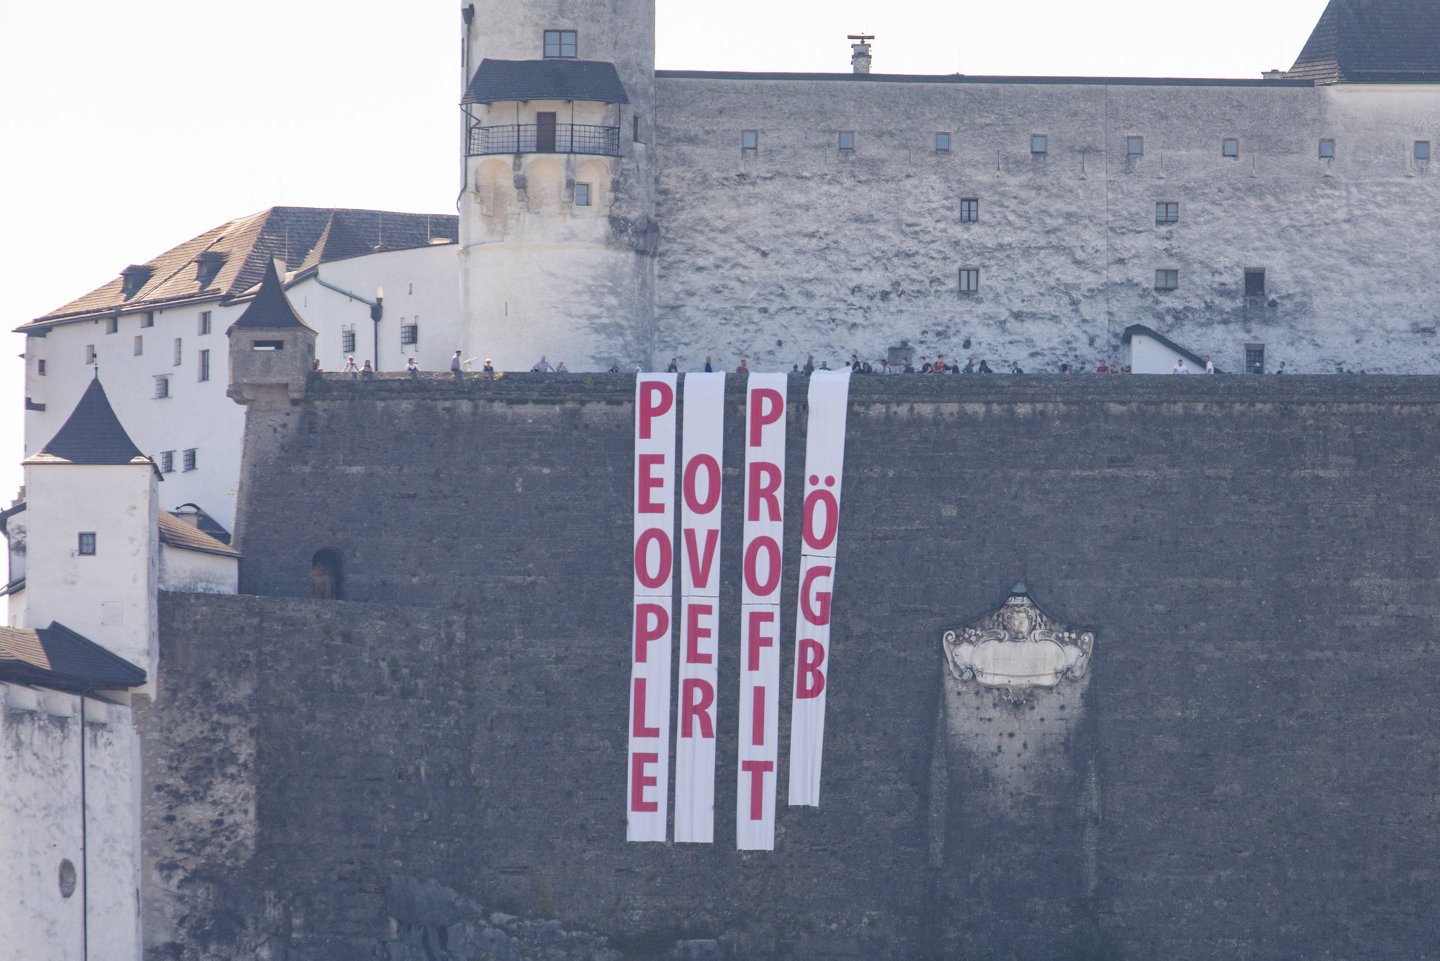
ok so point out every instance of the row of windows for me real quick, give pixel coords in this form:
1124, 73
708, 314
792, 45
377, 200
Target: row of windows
1040, 145
409, 337
202, 362
1166, 278
204, 325
188, 460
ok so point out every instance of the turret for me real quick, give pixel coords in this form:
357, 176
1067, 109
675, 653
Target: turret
91, 513
557, 225
272, 351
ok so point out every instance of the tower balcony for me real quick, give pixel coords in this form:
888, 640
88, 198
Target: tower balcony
544, 137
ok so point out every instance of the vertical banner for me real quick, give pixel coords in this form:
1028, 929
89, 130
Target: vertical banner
702, 446
819, 530
760, 612
648, 767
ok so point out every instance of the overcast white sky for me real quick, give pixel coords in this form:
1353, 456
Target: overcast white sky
128, 126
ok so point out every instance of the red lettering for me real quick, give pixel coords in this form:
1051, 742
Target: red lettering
763, 485
665, 563
647, 481
694, 633
757, 771
700, 560
767, 405
772, 566
757, 716
656, 399
652, 622
815, 605
823, 538
697, 697
712, 484
638, 728
754, 640
809, 672
639, 781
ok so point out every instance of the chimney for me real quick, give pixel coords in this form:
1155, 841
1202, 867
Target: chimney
860, 51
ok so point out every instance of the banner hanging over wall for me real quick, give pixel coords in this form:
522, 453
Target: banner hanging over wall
760, 612
703, 440
829, 401
648, 768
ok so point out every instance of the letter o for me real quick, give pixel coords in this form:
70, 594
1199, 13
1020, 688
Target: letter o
826, 535
642, 556
772, 574
712, 483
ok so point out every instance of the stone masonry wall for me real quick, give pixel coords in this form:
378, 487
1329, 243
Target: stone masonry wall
1248, 771
797, 247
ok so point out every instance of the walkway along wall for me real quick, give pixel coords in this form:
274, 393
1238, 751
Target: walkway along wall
1245, 767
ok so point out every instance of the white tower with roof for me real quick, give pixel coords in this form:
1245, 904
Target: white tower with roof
557, 210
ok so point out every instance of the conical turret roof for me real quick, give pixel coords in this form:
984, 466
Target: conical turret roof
92, 435
270, 310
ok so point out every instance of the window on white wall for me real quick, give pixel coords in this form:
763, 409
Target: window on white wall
347, 339
202, 364
1422, 151
1327, 149
167, 462
1167, 279
582, 195
1167, 211
1230, 147
162, 386
1039, 143
560, 43
969, 210
942, 143
139, 344
205, 320
86, 545
112, 325
89, 355
1134, 146
179, 353
847, 140
969, 280
188, 459
40, 367
749, 140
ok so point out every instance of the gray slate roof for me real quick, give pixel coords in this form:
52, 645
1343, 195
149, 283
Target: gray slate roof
91, 435
1373, 41
270, 310
546, 80
57, 657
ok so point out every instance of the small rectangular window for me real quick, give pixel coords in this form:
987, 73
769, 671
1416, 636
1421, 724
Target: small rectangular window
942, 143
179, 353
162, 386
1167, 279
1255, 358
139, 344
147, 320
1422, 150
969, 280
205, 321
1254, 281
40, 367
1039, 143
1167, 212
267, 345
347, 339
409, 335
582, 195
202, 364
86, 547
847, 140
1230, 147
1327, 149
89, 355
112, 325
560, 43
969, 210
1134, 146
637, 129
749, 140
188, 459
167, 462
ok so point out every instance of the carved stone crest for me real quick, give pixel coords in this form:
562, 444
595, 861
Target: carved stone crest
1016, 647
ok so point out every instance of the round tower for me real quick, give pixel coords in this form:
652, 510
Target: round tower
557, 207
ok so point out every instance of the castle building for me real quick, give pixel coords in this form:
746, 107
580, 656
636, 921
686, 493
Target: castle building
361, 690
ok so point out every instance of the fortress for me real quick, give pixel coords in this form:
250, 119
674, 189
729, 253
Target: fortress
387, 717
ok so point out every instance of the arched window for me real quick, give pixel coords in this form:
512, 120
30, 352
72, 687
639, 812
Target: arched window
327, 575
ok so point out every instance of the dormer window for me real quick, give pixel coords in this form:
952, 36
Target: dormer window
207, 265
560, 43
133, 278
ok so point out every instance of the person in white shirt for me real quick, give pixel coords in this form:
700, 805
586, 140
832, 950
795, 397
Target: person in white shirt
1281, 369
1180, 367
1209, 365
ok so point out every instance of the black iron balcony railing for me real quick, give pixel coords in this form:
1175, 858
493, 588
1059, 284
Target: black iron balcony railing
547, 138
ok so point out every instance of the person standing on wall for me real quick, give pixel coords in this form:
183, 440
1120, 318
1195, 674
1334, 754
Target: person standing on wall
455, 367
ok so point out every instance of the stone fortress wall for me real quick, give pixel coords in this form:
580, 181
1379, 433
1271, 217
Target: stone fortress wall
798, 247
1247, 770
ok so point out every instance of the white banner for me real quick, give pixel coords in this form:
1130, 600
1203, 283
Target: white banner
648, 767
764, 530
819, 533
695, 729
